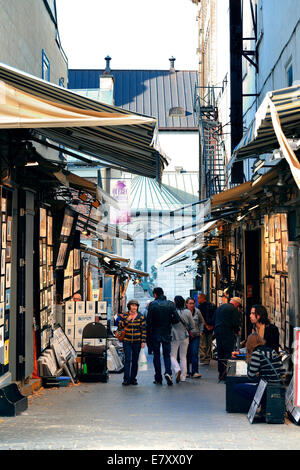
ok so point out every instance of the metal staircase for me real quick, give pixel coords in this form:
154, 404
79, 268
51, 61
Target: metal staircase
212, 155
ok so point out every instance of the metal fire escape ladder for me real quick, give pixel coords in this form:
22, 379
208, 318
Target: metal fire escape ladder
212, 158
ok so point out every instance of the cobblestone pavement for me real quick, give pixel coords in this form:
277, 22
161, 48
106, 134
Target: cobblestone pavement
186, 416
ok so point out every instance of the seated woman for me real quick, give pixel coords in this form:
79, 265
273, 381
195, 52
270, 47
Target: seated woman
263, 363
263, 327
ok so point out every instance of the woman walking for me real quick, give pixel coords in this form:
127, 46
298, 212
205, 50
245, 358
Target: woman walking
193, 349
134, 325
180, 339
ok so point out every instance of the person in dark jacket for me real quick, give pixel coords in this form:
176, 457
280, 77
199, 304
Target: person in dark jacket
161, 315
207, 310
227, 325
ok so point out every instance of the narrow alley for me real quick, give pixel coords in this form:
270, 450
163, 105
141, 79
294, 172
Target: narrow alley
99, 416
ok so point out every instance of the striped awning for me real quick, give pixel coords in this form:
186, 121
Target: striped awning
114, 135
261, 137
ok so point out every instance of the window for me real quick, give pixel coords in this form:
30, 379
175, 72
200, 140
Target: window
290, 77
45, 67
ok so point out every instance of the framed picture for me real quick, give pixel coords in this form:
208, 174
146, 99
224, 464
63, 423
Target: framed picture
44, 249
80, 307
102, 306
41, 251
6, 352
70, 307
3, 236
266, 226
49, 255
278, 256
8, 251
43, 222
76, 286
277, 227
61, 255
3, 204
7, 299
90, 307
2, 336
8, 275
9, 228
285, 240
2, 312
2, 289
271, 229
49, 230
277, 300
284, 222
3, 259
76, 259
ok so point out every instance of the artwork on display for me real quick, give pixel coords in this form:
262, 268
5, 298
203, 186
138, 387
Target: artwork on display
277, 301
278, 256
284, 222
271, 229
272, 258
277, 227
3, 259
61, 255
76, 259
3, 236
266, 226
6, 352
43, 222
70, 307
3, 204
90, 307
2, 312
67, 225
76, 287
8, 252
8, 275
9, 228
49, 230
67, 288
2, 289
1, 336
80, 307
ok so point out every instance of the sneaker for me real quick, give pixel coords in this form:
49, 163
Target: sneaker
125, 383
168, 379
157, 382
178, 376
197, 376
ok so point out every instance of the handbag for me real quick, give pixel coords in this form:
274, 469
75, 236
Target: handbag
120, 334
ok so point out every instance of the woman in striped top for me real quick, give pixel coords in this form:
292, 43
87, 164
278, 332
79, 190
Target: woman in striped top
135, 338
263, 363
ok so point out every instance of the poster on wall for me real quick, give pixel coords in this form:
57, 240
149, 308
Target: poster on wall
120, 191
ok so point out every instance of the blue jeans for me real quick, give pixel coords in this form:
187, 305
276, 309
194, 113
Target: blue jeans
192, 355
131, 351
166, 348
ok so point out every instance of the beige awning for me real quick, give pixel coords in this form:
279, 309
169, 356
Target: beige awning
23, 110
85, 126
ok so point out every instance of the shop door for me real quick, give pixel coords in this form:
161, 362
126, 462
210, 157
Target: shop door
252, 265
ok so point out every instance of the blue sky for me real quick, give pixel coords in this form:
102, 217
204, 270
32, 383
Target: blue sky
135, 33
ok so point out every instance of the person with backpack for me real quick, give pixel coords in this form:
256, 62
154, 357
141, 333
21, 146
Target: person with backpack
162, 314
180, 339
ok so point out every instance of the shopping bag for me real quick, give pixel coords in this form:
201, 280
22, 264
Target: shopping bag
143, 364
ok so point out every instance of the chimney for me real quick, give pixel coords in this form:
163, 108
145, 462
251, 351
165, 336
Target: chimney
172, 64
107, 68
106, 85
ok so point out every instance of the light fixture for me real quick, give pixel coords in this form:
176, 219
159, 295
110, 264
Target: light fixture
280, 181
258, 164
32, 164
241, 217
106, 259
96, 204
254, 207
83, 197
